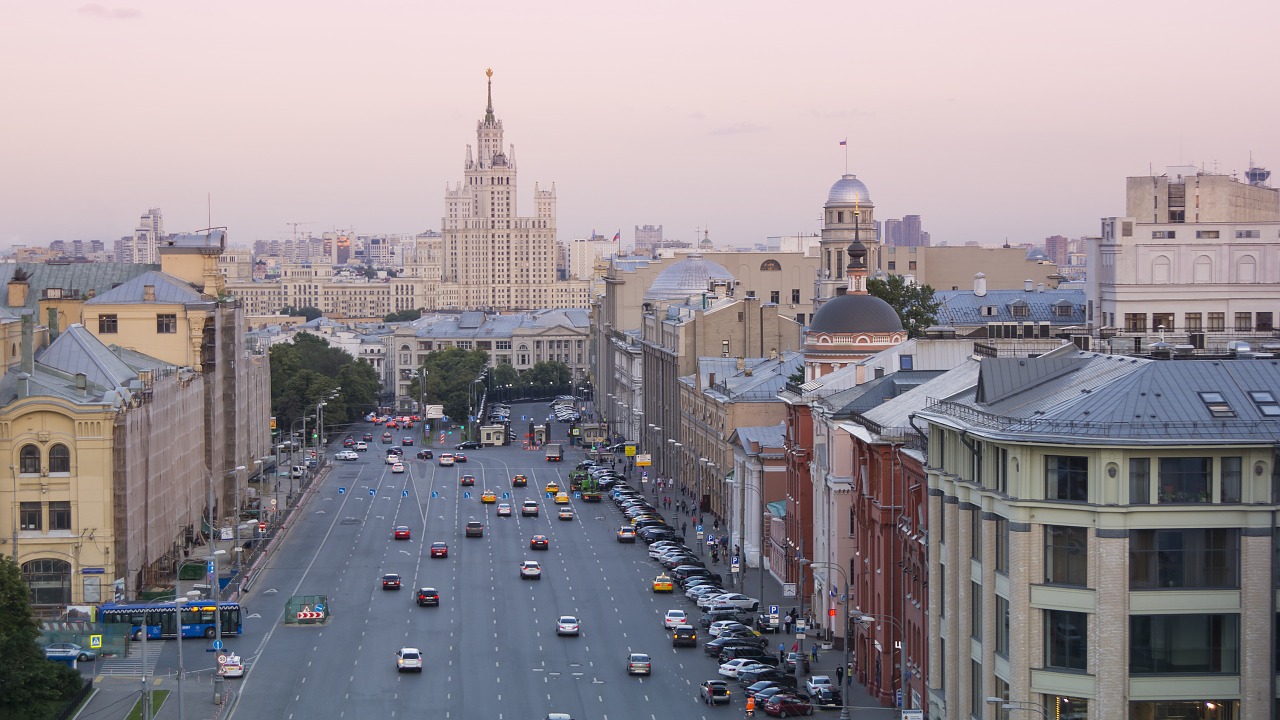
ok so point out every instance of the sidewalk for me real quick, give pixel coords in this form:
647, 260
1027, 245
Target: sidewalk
759, 583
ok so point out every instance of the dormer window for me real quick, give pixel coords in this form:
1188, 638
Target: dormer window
1019, 308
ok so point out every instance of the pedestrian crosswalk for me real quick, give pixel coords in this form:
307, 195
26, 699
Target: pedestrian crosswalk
133, 664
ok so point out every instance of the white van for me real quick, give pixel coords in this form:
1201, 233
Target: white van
297, 471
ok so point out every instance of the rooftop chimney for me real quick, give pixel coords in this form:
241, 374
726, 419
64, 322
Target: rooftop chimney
1027, 285
980, 284
741, 364
18, 289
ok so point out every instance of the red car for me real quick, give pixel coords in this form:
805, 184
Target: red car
459, 457
440, 550
350, 441
784, 705
402, 532
467, 480
406, 441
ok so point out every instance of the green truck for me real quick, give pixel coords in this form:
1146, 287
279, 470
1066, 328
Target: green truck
581, 480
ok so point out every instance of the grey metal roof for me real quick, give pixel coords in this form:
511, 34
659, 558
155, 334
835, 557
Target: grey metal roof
760, 380
964, 308
864, 397
72, 280
855, 313
76, 350
169, 291
689, 276
1004, 377
894, 415
769, 436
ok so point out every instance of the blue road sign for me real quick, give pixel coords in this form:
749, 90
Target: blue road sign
342, 491
466, 495
404, 493
217, 644
577, 495
773, 609
697, 528
319, 607
435, 494
548, 495
372, 492
735, 560
209, 568
711, 539
506, 496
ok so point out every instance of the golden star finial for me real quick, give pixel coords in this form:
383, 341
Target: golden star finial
488, 72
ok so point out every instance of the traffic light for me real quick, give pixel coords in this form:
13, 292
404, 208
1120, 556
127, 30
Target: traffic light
273, 423
831, 612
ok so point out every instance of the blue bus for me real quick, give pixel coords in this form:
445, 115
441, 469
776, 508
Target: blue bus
162, 618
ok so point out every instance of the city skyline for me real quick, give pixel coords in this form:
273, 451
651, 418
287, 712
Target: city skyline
339, 118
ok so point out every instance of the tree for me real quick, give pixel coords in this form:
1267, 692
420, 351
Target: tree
450, 373
28, 681
402, 316
547, 377
309, 371
309, 313
914, 304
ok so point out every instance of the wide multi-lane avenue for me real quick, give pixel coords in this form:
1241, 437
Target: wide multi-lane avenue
490, 649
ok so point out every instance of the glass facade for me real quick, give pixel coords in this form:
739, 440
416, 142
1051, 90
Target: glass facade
1190, 558
1191, 644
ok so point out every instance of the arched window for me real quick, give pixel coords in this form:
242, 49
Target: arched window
49, 581
59, 459
29, 460
1160, 270
770, 265
1203, 271
1246, 270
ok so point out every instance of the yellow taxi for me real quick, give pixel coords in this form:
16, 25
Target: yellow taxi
562, 498
553, 488
489, 496
662, 583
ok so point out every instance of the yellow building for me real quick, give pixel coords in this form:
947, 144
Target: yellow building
116, 449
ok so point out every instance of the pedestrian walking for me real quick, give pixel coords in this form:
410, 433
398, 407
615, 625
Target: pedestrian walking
684, 529
840, 674
782, 653
814, 652
786, 623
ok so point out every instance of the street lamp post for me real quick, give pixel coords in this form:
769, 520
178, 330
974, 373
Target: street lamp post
844, 695
867, 619
1009, 706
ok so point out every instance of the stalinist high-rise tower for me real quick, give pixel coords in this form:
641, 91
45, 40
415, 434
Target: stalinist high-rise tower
493, 259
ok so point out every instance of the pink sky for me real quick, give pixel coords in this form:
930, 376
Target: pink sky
991, 120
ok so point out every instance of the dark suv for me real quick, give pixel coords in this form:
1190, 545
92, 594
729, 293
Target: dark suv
428, 596
475, 529
684, 636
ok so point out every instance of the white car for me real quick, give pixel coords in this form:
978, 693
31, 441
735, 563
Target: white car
362, 446
720, 626
674, 619
697, 591
346, 455
408, 660
530, 570
446, 459
733, 667
393, 459
233, 667
567, 625
397, 468
817, 682
737, 600
656, 550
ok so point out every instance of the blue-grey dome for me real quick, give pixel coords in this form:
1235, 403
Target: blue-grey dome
689, 276
855, 314
848, 190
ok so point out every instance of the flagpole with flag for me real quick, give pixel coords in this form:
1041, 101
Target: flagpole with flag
845, 144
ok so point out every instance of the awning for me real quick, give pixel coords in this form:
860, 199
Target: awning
777, 508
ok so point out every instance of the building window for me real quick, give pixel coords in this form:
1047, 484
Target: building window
975, 534
976, 699
1135, 322
166, 324
1064, 640
1002, 627
29, 515
108, 325
1264, 322
1186, 480
1184, 644
1162, 321
48, 580
29, 460
1184, 558
795, 295
1248, 234
1244, 322
59, 459
906, 362
1232, 475
1140, 481
775, 296
1002, 545
1206, 234
1066, 478
1193, 321
60, 515
893, 265
1066, 560
975, 610
1002, 470
1217, 322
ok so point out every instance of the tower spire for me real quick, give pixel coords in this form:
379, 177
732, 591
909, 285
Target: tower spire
488, 112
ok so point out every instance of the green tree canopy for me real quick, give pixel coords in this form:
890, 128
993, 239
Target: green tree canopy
28, 681
309, 371
309, 313
914, 304
450, 373
402, 316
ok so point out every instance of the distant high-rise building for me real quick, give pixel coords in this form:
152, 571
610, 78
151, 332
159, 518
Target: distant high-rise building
905, 232
926, 240
648, 237
59, 246
141, 246
1057, 248
892, 232
911, 231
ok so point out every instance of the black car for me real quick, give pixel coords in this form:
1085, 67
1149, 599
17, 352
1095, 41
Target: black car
754, 688
684, 636
768, 623
760, 655
715, 647
752, 677
828, 697
428, 596
718, 615
468, 445
426, 455
474, 528
736, 638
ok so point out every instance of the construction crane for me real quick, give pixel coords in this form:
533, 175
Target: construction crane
295, 225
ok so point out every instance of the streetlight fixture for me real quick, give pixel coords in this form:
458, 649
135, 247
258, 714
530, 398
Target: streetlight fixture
1009, 706
867, 619
844, 695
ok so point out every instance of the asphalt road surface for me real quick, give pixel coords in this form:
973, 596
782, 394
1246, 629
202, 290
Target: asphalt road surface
490, 650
